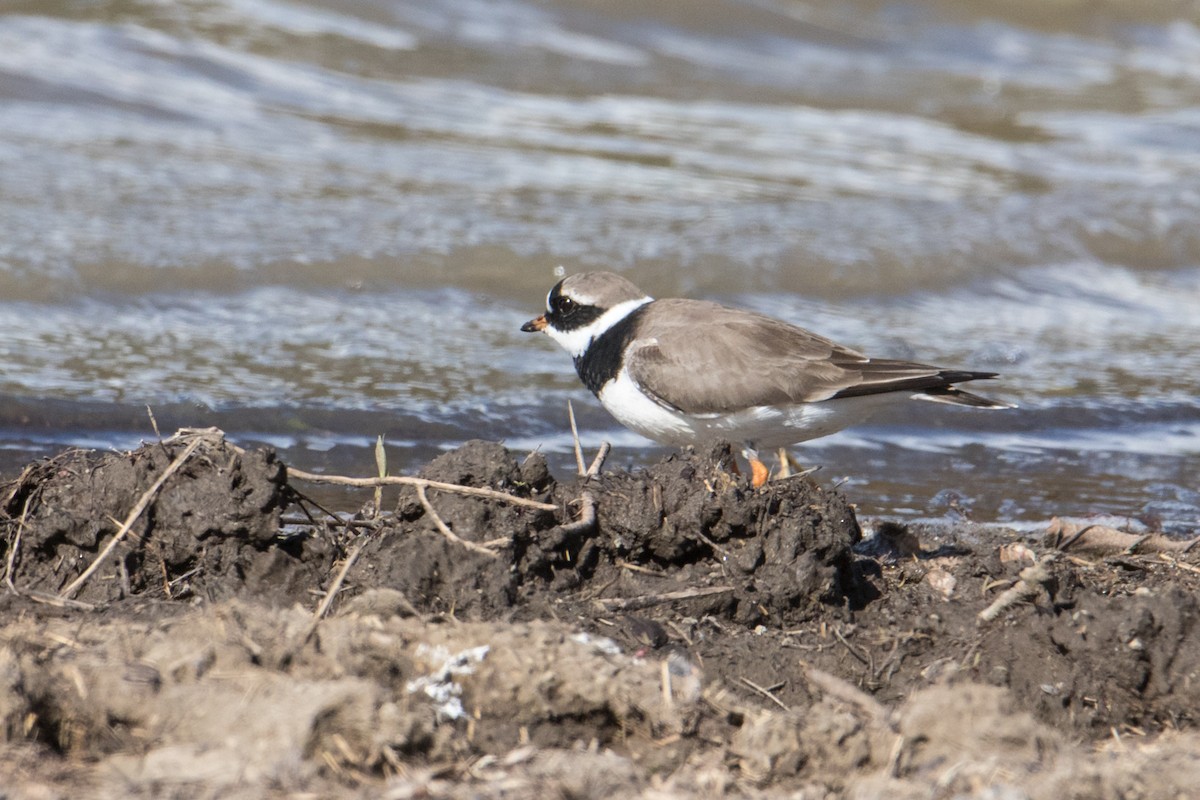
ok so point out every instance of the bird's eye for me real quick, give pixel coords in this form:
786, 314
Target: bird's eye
565, 305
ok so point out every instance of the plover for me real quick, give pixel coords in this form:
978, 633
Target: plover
690, 372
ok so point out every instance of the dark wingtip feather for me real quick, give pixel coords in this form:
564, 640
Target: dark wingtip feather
957, 397
962, 375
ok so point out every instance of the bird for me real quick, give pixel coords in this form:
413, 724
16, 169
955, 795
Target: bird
686, 372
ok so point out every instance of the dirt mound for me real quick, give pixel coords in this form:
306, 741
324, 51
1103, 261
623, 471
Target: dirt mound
219, 701
768, 556
210, 530
213, 700
669, 632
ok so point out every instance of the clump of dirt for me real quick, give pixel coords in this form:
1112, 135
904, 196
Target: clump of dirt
212, 529
410, 553
232, 695
768, 556
783, 550
670, 632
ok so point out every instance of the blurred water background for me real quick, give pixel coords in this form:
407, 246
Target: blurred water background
310, 223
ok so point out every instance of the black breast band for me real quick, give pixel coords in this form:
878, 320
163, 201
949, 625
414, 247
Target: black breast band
605, 356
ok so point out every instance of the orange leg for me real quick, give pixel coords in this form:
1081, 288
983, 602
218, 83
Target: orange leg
758, 472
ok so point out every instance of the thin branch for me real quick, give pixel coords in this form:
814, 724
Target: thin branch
575, 437
587, 517
19, 483
421, 483
598, 461
1031, 585
58, 601
15, 546
851, 648
132, 518
765, 692
334, 588
381, 468
645, 601
349, 523
843, 690
445, 529
153, 423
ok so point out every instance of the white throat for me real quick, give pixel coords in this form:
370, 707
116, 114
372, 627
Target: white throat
576, 342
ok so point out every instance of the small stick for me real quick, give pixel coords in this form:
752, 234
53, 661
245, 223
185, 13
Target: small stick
639, 568
184, 576
166, 576
59, 602
381, 467
19, 483
389, 480
847, 692
445, 529
851, 648
16, 546
587, 516
765, 692
1029, 587
334, 588
153, 423
350, 523
405, 480
598, 461
138, 508
645, 601
575, 436
1176, 563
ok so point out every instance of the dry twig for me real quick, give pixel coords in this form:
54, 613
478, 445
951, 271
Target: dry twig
334, 588
598, 461
421, 483
59, 602
1031, 585
765, 692
15, 546
587, 516
445, 529
647, 600
575, 437
841, 689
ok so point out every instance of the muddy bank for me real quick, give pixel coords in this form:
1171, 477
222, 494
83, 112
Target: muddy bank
664, 633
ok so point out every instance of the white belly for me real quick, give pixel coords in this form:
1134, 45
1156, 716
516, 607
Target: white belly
765, 426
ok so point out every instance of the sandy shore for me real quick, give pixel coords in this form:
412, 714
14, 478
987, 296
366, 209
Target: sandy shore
182, 621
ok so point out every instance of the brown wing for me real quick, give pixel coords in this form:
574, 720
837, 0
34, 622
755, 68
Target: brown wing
701, 357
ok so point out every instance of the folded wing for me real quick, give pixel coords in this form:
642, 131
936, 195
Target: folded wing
735, 359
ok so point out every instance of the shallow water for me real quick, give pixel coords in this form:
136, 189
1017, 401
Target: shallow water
313, 223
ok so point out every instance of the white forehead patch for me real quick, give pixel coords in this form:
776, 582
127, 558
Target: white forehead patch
581, 299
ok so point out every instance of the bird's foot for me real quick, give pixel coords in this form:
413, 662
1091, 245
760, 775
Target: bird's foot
789, 467
786, 462
758, 473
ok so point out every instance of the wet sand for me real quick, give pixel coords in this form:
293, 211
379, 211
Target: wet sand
667, 632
